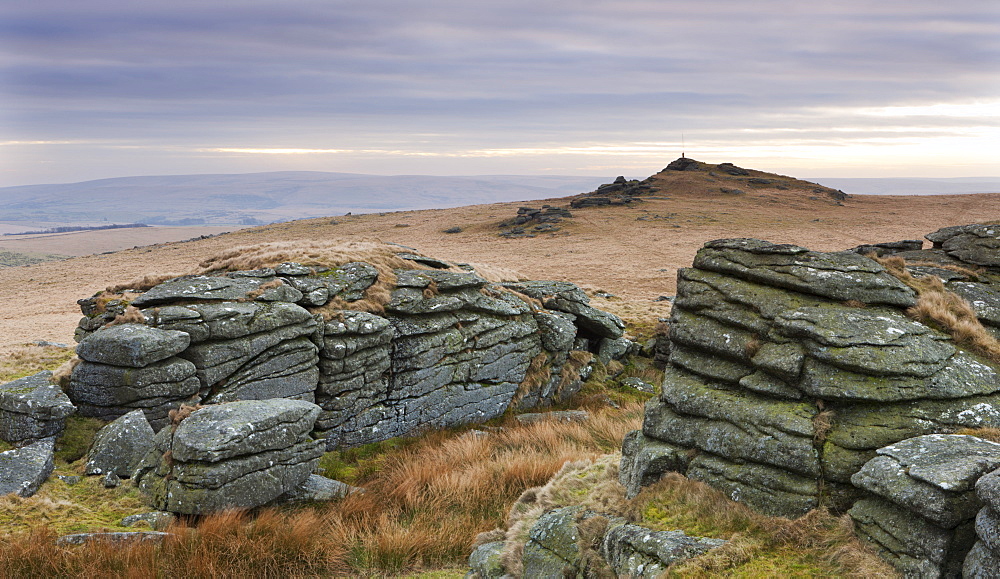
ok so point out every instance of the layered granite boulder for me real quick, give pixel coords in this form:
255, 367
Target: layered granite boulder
233, 455
132, 366
922, 504
447, 347
31, 409
790, 368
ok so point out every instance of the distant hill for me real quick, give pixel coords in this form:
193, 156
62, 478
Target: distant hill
258, 198
913, 186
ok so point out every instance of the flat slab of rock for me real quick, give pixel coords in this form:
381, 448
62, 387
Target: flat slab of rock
132, 345
838, 276
24, 469
241, 454
932, 475
634, 551
202, 287
319, 488
222, 431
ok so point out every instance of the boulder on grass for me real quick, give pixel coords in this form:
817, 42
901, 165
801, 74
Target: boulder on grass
240, 454
24, 469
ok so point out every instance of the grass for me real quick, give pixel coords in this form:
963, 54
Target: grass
31, 359
425, 501
815, 545
938, 307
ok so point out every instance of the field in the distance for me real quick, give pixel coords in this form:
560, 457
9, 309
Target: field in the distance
631, 251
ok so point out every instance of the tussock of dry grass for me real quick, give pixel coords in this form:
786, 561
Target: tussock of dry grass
62, 374
318, 254
29, 359
423, 504
817, 544
589, 482
131, 315
141, 284
944, 309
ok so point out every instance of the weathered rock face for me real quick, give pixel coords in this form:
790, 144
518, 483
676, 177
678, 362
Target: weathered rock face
31, 409
120, 445
24, 469
921, 513
553, 548
450, 347
780, 387
132, 366
983, 560
234, 455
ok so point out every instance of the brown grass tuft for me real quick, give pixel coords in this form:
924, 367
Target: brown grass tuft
753, 346
177, 415
539, 372
131, 315
950, 312
431, 290
101, 304
822, 423
254, 294
986, 433
570, 372
854, 304
141, 284
61, 375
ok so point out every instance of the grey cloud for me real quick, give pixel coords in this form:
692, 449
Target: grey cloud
190, 72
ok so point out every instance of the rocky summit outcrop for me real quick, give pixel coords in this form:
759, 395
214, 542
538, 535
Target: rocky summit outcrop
790, 368
234, 455
445, 347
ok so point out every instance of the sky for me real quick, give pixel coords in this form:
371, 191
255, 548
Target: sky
110, 88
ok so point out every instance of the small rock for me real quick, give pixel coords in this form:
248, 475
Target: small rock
119, 446
70, 480
116, 537
319, 488
453, 230
111, 481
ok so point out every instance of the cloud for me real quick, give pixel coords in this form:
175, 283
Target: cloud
382, 75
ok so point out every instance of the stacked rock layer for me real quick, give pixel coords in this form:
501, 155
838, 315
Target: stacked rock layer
450, 347
922, 504
789, 368
231, 455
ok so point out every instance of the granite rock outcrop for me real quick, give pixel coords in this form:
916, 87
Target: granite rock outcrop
789, 370
442, 346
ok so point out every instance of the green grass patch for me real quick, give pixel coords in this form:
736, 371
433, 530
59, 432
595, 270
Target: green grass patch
75, 441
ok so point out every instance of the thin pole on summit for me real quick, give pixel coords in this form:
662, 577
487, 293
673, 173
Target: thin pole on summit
682, 145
